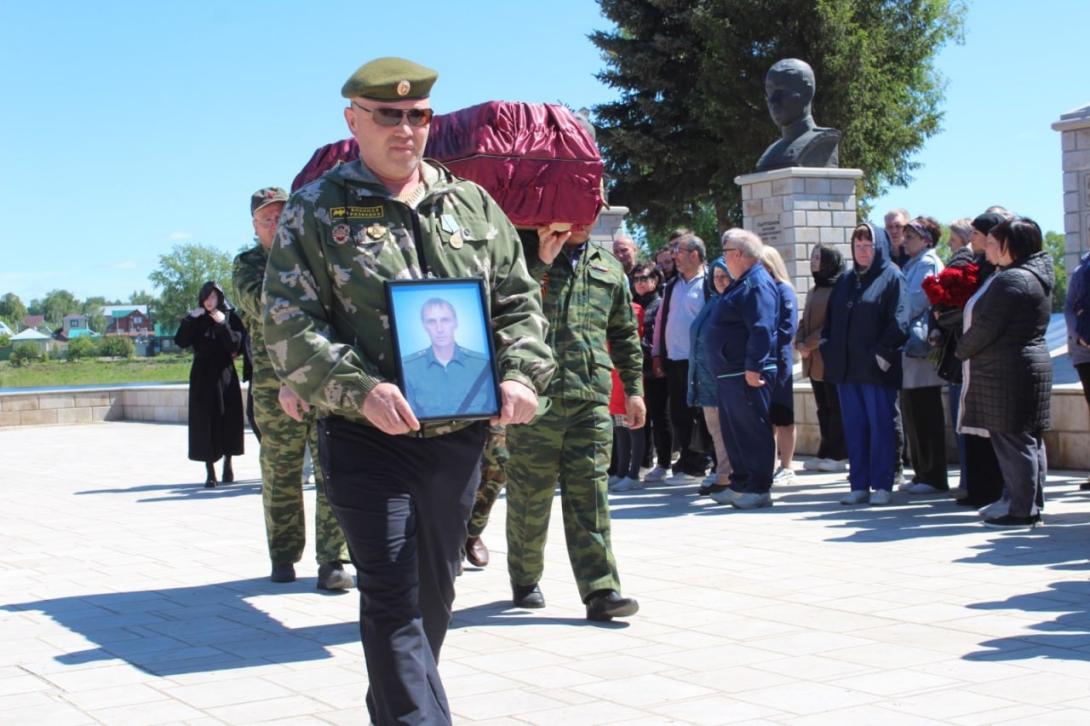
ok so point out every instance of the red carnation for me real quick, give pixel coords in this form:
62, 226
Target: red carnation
953, 286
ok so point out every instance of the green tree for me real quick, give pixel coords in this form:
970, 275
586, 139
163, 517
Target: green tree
92, 308
58, 303
5, 340
115, 346
1054, 245
82, 347
180, 275
25, 354
691, 114
12, 310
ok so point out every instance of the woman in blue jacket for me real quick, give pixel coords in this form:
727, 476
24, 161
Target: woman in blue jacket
865, 329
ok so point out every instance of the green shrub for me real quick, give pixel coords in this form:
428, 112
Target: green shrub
116, 346
5, 340
25, 354
80, 348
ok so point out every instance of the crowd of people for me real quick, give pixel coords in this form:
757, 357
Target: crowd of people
879, 339
607, 365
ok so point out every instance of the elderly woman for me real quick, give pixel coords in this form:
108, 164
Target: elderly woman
783, 391
921, 386
866, 326
702, 384
1008, 382
215, 332
826, 266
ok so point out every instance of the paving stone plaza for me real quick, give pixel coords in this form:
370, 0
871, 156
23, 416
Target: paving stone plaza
131, 595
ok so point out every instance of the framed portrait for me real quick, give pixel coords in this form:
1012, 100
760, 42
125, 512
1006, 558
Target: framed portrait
446, 364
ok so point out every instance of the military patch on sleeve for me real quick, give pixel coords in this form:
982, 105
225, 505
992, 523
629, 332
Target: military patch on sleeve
341, 233
340, 213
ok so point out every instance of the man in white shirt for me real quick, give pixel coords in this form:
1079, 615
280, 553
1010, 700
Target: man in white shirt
684, 297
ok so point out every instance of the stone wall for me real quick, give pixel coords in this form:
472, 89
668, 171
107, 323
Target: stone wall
1074, 128
165, 403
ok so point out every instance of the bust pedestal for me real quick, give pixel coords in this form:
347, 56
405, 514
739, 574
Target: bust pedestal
795, 208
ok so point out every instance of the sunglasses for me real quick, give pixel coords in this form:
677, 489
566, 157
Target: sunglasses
391, 117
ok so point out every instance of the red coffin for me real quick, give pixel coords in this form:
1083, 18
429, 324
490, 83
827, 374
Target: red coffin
538, 161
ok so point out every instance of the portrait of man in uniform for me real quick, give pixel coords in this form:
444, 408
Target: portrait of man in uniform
451, 376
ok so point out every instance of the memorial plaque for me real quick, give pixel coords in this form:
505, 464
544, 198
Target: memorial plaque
769, 231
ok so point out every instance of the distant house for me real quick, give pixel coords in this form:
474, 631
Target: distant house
74, 333
73, 321
34, 337
131, 322
33, 322
109, 310
5, 330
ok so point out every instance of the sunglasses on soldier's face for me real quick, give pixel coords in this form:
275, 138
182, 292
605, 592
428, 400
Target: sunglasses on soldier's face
395, 116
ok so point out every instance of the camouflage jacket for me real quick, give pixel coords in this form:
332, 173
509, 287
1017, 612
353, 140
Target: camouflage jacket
249, 276
341, 237
588, 307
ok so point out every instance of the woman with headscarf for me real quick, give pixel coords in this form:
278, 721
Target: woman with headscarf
866, 326
1007, 385
702, 390
826, 264
921, 387
215, 332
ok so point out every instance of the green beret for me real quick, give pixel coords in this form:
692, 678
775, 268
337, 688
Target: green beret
390, 79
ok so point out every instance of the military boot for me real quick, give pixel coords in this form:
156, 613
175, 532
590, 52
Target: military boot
332, 577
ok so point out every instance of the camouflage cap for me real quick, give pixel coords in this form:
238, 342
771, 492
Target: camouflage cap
265, 197
390, 79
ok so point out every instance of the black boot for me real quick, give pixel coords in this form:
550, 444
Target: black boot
228, 472
527, 596
210, 475
604, 605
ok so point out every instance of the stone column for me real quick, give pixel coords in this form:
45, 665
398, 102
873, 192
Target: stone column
610, 223
1074, 128
793, 209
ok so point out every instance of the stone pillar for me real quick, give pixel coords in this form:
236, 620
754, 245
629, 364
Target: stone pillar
1074, 128
610, 223
793, 209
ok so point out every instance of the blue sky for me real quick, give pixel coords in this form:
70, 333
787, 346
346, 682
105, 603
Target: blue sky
129, 127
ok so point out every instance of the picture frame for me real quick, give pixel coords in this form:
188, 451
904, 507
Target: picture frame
445, 356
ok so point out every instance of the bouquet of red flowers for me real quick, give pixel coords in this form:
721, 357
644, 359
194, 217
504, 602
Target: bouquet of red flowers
953, 286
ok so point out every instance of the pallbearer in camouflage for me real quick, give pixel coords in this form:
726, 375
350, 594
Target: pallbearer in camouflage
493, 480
284, 439
588, 305
401, 490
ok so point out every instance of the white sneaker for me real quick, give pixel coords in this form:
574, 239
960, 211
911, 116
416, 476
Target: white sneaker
832, 465
613, 479
626, 485
813, 464
922, 488
999, 508
723, 496
783, 475
880, 497
711, 479
856, 496
751, 500
901, 484
681, 478
656, 474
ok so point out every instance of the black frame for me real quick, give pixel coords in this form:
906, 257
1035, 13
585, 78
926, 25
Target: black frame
474, 288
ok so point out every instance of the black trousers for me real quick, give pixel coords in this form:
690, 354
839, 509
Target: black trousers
925, 434
684, 419
984, 480
403, 504
830, 423
660, 437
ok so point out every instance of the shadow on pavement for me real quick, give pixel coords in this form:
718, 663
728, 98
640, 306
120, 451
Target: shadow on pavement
183, 491
502, 612
191, 629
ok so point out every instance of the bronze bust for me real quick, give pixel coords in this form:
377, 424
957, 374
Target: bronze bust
789, 91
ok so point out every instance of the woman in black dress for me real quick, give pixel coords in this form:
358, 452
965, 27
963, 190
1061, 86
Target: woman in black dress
215, 332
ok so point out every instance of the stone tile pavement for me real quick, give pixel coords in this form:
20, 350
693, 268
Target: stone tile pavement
131, 595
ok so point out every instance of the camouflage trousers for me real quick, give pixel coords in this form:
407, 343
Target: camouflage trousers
283, 443
493, 478
570, 443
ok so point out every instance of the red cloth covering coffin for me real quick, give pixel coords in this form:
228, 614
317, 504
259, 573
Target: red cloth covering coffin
538, 161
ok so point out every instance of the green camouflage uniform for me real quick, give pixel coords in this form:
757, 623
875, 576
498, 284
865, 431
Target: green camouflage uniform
283, 440
587, 307
493, 478
341, 237
434, 387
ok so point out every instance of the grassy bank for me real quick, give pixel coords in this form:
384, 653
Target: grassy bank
96, 371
